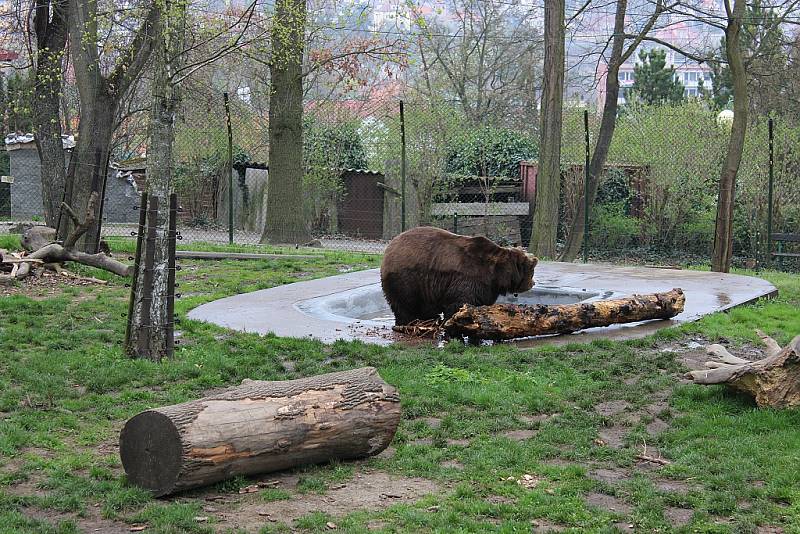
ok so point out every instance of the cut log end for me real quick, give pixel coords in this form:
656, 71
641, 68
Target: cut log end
151, 452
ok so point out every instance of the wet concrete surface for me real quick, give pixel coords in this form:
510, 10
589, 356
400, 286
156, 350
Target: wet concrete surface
284, 310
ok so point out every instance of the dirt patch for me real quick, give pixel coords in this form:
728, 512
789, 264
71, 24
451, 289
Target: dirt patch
612, 436
678, 517
369, 491
608, 502
612, 407
458, 442
44, 286
609, 476
671, 486
422, 441
657, 426
90, 523
542, 526
768, 529
519, 435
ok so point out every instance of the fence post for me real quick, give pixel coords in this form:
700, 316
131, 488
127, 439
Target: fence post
402, 168
455, 222
586, 189
230, 168
769, 193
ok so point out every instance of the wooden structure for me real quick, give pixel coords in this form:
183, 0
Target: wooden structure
773, 381
780, 239
360, 209
260, 427
509, 321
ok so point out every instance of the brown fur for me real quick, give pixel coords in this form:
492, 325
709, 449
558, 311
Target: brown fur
428, 271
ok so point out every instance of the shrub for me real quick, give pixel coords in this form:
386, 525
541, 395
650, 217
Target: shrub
491, 152
611, 228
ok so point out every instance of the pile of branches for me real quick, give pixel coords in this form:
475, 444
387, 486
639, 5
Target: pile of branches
43, 252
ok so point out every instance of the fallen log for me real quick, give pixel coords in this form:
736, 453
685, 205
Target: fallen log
259, 427
509, 321
773, 381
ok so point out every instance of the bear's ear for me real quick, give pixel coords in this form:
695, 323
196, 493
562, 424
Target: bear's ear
533, 259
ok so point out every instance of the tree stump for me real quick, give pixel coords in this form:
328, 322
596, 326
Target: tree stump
260, 427
509, 321
773, 381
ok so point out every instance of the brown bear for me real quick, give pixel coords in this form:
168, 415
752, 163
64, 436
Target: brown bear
429, 271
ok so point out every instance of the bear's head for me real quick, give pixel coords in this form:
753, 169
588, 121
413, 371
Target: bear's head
514, 271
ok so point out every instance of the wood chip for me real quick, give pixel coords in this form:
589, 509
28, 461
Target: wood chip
201, 518
249, 489
331, 526
137, 528
653, 459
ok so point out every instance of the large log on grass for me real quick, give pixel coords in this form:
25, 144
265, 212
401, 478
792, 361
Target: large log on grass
509, 321
260, 427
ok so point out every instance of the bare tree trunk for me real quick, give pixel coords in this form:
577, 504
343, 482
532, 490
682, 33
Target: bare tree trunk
286, 222
548, 181
723, 234
50, 24
100, 98
168, 48
608, 122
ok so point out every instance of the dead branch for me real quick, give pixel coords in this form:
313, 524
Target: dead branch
52, 254
773, 381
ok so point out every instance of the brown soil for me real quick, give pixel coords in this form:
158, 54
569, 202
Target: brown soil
678, 517
612, 407
369, 490
43, 286
608, 502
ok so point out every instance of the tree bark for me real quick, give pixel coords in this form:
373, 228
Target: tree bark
509, 321
723, 233
773, 381
100, 98
260, 427
168, 53
50, 24
548, 181
286, 221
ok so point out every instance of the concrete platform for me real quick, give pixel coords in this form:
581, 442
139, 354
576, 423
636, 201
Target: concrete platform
350, 306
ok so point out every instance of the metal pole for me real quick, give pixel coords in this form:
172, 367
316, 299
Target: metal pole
455, 223
230, 168
136, 264
586, 189
769, 192
171, 236
402, 168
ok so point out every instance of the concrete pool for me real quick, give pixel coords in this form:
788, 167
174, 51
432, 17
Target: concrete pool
351, 306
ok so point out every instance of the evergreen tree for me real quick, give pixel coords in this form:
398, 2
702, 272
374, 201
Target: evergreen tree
654, 82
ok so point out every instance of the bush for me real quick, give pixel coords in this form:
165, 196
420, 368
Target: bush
491, 152
611, 229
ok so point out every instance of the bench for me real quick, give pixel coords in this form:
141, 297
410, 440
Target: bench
780, 239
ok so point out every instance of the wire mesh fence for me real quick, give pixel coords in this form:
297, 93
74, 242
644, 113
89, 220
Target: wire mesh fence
370, 172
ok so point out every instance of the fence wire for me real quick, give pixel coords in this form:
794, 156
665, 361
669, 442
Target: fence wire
370, 174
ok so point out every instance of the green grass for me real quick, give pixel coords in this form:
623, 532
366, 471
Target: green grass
66, 388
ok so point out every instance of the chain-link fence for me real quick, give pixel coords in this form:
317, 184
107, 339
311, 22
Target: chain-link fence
371, 172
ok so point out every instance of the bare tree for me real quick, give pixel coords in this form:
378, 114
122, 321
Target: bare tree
485, 56
623, 44
100, 97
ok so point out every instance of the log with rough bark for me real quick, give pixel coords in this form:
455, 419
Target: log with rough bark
39, 239
509, 321
773, 381
260, 427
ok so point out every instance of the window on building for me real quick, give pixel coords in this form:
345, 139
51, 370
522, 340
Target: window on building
691, 91
692, 76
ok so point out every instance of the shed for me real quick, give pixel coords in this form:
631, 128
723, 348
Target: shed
360, 209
